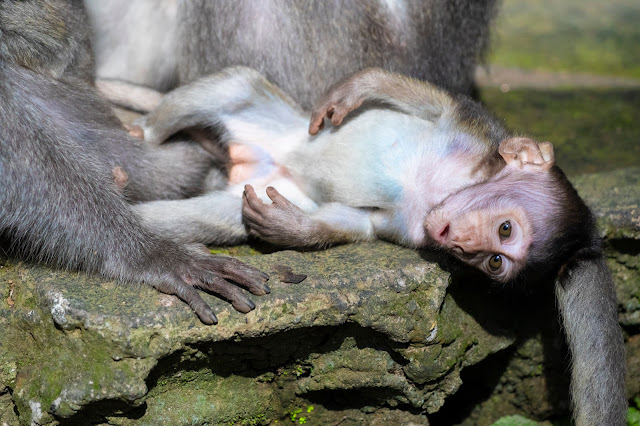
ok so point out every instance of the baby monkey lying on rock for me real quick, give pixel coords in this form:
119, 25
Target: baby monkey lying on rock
407, 162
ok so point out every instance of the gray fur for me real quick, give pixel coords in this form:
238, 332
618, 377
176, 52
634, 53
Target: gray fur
301, 46
59, 146
437, 40
136, 40
589, 309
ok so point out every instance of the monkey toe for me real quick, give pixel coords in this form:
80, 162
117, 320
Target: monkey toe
230, 293
190, 296
246, 276
254, 211
206, 315
245, 306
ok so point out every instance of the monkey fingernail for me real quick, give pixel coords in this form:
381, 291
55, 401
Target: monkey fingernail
244, 306
208, 317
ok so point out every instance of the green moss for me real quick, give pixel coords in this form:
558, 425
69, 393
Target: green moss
300, 415
633, 417
515, 421
588, 36
14, 292
242, 250
591, 130
210, 399
54, 362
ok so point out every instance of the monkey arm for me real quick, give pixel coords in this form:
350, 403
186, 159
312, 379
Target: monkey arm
283, 223
410, 96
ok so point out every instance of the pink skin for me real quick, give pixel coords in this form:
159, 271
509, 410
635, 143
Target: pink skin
473, 236
243, 163
467, 223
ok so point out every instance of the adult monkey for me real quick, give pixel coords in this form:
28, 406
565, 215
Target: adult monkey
61, 148
303, 48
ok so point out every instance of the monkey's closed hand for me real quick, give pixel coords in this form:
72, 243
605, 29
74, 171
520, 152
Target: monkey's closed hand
340, 100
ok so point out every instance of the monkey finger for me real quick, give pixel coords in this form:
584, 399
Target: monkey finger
246, 276
318, 115
329, 111
276, 197
253, 207
317, 122
341, 110
228, 292
190, 296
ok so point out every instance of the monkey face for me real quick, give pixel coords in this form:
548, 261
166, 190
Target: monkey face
492, 239
490, 225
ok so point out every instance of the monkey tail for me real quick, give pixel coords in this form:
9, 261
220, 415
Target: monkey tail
588, 306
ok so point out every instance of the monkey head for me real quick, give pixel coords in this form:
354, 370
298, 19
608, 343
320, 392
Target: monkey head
526, 216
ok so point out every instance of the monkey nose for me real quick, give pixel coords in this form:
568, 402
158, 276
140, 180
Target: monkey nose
442, 234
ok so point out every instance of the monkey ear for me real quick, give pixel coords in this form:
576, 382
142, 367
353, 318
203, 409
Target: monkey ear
527, 154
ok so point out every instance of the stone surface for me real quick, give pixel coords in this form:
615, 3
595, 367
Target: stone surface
367, 317
375, 333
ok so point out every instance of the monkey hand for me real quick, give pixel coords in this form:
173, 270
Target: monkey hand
203, 271
336, 104
282, 222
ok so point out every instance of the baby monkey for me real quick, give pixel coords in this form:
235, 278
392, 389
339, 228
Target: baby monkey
407, 162
413, 165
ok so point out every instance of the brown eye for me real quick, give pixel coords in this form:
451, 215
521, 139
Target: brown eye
505, 229
495, 262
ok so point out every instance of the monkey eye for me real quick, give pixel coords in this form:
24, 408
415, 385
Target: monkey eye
495, 262
505, 229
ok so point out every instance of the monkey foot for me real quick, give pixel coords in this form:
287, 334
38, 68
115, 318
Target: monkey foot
280, 222
215, 274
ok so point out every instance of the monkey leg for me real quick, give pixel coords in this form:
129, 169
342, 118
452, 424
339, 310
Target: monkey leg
213, 218
131, 96
235, 99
